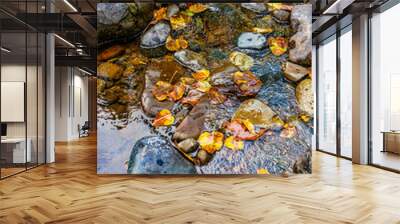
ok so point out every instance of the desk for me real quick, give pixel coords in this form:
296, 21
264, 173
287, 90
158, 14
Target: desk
13, 150
391, 141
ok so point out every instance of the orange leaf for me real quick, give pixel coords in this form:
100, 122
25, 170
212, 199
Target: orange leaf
216, 97
179, 21
110, 52
211, 142
188, 80
171, 44
248, 83
201, 75
278, 45
240, 129
262, 30
193, 97
232, 143
160, 14
161, 90
163, 118
177, 92
197, 8
182, 42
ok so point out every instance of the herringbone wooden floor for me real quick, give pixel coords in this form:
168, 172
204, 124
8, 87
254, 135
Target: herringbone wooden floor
69, 191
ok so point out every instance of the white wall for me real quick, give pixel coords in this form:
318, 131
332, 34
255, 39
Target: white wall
71, 102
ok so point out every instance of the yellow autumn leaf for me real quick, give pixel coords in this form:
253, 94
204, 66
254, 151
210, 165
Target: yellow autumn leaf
211, 142
201, 75
279, 6
305, 118
171, 44
197, 8
179, 21
183, 44
187, 80
241, 60
163, 118
262, 171
278, 45
160, 14
262, 30
202, 86
249, 126
161, 90
232, 143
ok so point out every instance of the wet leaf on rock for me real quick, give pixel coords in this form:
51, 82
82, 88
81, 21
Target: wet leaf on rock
279, 6
197, 8
187, 80
201, 75
232, 143
241, 60
278, 45
176, 44
177, 92
161, 90
179, 21
216, 97
248, 83
243, 130
202, 86
163, 118
193, 97
109, 71
160, 14
211, 142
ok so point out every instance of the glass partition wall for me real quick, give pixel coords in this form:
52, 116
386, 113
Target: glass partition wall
334, 93
22, 77
385, 90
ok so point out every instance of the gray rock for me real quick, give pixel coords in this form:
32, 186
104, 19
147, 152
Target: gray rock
122, 21
281, 16
156, 155
222, 77
301, 41
172, 10
295, 72
188, 145
305, 96
191, 60
155, 36
151, 106
254, 7
250, 40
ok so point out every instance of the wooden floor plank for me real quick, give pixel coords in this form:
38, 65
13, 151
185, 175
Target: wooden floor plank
70, 191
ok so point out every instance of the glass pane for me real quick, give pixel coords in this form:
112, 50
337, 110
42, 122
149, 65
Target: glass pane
327, 96
346, 93
13, 87
385, 89
41, 99
31, 98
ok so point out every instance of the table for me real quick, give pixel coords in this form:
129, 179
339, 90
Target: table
13, 150
391, 141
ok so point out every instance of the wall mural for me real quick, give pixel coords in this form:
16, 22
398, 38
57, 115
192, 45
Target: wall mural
215, 88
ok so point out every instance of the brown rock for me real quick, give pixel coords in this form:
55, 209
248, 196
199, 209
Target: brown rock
295, 72
305, 96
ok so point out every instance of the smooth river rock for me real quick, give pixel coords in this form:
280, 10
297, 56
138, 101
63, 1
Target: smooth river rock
254, 7
295, 72
252, 41
156, 155
305, 96
190, 59
155, 36
117, 21
256, 112
300, 42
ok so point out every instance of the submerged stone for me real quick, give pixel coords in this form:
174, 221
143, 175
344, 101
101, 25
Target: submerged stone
256, 112
281, 16
252, 41
156, 155
295, 72
280, 96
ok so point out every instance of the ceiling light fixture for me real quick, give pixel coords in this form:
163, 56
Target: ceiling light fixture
70, 5
84, 71
5, 50
65, 41
337, 7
